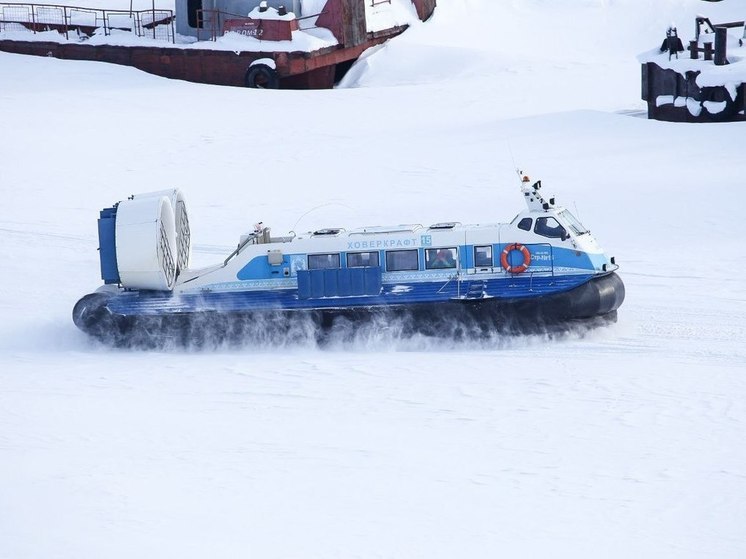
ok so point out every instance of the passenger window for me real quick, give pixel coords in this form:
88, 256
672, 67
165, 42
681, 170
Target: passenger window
362, 259
549, 227
439, 258
399, 260
525, 224
483, 256
323, 261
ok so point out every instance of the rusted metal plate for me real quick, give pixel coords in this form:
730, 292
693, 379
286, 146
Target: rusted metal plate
321, 78
331, 18
243, 26
356, 29
424, 8
263, 29
208, 66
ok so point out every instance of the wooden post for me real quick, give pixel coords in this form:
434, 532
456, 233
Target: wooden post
708, 51
693, 50
721, 43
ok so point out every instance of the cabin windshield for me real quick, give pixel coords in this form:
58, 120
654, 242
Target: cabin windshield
573, 222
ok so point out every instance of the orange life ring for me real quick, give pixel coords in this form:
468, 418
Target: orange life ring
515, 269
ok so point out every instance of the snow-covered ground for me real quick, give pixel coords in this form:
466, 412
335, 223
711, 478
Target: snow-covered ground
624, 442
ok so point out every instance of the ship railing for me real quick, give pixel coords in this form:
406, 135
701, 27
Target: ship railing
157, 24
210, 22
257, 237
455, 277
703, 25
308, 22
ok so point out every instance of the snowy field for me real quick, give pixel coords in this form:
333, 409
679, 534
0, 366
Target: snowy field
627, 441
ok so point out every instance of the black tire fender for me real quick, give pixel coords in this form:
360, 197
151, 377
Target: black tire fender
261, 76
91, 315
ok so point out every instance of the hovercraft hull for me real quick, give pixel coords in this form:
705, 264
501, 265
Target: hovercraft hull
105, 317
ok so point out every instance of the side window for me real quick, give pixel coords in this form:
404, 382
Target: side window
323, 261
549, 227
483, 256
362, 259
525, 224
399, 260
438, 258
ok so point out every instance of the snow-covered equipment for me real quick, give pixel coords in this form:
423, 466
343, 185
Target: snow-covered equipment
267, 44
709, 85
544, 268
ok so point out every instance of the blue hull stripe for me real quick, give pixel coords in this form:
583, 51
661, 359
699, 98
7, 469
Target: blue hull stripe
518, 287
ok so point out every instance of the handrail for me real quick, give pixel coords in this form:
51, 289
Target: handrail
455, 276
65, 18
251, 239
531, 273
700, 20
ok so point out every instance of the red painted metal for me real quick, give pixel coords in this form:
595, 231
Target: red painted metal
331, 18
346, 20
321, 78
217, 67
243, 26
263, 29
424, 8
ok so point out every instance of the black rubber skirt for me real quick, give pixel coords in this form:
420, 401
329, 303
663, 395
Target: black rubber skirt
591, 304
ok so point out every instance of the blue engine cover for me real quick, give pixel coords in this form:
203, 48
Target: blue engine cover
107, 245
339, 282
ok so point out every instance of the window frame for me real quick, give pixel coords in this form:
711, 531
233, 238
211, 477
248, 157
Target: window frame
454, 255
327, 254
559, 235
530, 224
492, 256
408, 250
376, 265
575, 225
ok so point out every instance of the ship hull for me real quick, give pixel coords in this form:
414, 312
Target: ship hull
103, 316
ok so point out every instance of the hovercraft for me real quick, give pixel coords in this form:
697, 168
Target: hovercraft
542, 270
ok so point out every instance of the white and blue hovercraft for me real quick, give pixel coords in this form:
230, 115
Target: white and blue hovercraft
540, 271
